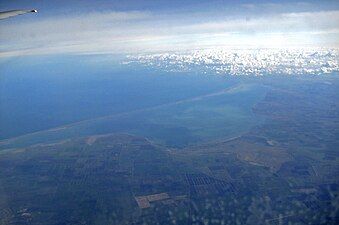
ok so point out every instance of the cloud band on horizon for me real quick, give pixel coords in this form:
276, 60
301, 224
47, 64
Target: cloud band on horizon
114, 32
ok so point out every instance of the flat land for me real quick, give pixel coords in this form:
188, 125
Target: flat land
264, 154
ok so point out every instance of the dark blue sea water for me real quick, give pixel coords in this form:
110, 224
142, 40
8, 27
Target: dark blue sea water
39, 93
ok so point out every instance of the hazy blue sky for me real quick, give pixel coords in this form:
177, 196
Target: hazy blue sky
134, 26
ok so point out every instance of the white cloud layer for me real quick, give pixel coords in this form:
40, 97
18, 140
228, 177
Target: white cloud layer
136, 32
255, 62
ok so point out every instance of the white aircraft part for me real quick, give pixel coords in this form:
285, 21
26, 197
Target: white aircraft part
11, 13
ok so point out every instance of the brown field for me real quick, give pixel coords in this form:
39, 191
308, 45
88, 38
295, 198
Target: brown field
144, 201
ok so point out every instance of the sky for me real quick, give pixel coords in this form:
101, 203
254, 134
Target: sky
146, 26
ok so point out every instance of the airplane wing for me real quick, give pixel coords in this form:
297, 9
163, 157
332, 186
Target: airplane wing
7, 14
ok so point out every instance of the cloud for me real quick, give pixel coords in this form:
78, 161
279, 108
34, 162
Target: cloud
256, 62
275, 6
287, 22
138, 31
